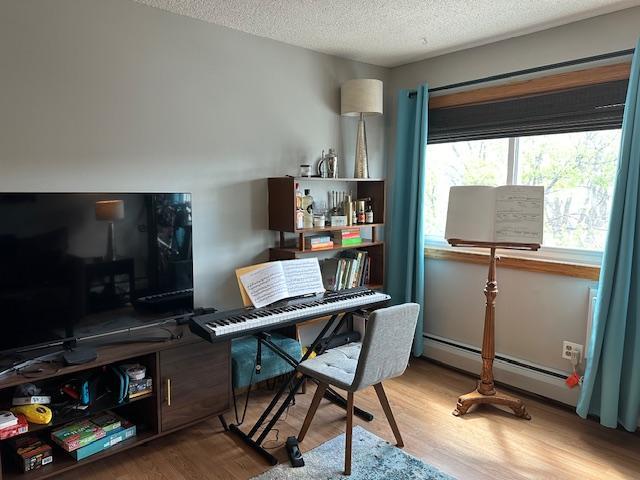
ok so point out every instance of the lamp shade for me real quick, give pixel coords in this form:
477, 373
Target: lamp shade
110, 210
361, 95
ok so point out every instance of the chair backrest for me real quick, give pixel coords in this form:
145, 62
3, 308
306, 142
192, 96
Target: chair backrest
386, 345
246, 301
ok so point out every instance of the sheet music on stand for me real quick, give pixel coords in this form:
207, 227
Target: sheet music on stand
508, 217
283, 279
506, 214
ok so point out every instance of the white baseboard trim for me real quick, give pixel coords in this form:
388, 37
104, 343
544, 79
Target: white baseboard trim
524, 375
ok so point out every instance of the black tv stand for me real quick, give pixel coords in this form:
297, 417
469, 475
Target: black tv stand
191, 383
79, 355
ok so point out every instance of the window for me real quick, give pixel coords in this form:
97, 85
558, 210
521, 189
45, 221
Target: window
577, 170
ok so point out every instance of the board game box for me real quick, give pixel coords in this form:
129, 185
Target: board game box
126, 431
107, 421
77, 435
30, 452
21, 427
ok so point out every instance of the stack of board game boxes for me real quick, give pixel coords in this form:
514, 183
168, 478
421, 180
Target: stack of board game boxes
87, 437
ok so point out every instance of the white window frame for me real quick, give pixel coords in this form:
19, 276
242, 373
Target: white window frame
569, 255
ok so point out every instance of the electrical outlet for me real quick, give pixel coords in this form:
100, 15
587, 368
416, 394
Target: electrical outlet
569, 348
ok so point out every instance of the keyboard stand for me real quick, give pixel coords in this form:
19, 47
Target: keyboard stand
293, 383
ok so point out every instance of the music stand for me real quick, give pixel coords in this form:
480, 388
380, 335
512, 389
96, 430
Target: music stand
486, 392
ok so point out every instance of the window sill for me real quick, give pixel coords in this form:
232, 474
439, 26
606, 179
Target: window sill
568, 269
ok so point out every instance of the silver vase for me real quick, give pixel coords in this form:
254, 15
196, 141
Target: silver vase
362, 162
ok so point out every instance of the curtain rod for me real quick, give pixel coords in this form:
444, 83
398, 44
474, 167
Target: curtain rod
516, 73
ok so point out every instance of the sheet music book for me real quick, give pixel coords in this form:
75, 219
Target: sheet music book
284, 279
510, 213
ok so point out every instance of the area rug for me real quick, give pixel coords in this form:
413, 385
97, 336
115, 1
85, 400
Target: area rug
373, 459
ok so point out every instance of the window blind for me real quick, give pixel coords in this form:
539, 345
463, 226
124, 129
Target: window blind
592, 107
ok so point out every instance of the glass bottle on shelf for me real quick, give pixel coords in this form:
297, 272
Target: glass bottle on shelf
368, 214
361, 211
307, 209
299, 213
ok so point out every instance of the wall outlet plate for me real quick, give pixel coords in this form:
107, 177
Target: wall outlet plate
568, 348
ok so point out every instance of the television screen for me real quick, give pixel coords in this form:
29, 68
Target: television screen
73, 265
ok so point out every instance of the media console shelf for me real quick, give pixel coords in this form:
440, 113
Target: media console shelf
191, 382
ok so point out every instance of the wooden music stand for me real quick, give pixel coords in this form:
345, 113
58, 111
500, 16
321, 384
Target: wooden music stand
486, 392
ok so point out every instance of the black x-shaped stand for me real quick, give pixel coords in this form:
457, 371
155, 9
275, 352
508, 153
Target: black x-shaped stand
293, 383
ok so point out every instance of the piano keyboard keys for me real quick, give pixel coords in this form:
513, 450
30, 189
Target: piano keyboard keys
237, 322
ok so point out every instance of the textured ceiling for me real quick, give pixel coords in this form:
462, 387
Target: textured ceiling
389, 32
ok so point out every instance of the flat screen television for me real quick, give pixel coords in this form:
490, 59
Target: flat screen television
76, 265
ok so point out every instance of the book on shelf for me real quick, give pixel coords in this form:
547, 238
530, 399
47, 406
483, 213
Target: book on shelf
346, 233
350, 241
315, 239
320, 246
349, 270
347, 237
318, 242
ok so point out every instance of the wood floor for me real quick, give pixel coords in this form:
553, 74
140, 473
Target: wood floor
487, 444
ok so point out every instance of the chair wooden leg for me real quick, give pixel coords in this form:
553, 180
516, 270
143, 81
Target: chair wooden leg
312, 410
348, 435
387, 411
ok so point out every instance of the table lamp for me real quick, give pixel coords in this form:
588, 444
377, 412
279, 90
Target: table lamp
361, 97
110, 211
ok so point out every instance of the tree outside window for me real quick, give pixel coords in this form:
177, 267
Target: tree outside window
577, 170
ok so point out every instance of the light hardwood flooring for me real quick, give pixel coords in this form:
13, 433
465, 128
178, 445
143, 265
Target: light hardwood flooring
485, 444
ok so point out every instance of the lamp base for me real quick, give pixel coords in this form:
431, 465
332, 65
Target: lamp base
362, 161
111, 244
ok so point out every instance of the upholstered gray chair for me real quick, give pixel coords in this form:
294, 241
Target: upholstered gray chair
383, 354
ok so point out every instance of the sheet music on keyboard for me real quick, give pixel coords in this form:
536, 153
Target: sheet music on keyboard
265, 285
284, 279
303, 276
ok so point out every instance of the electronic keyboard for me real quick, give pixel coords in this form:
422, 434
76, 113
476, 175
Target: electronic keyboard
220, 326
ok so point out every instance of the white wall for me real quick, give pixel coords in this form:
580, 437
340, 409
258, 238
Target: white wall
535, 312
112, 95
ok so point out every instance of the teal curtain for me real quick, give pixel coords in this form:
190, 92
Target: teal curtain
611, 386
405, 264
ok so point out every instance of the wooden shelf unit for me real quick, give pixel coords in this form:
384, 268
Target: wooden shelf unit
177, 401
282, 218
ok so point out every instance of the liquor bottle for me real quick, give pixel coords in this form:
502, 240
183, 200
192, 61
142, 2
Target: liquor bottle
299, 212
368, 214
361, 211
307, 209
298, 197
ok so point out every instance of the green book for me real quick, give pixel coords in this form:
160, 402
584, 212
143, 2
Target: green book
351, 241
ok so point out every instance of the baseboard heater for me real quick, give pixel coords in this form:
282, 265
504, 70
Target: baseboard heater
527, 376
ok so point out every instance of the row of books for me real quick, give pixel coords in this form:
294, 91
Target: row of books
349, 270
347, 237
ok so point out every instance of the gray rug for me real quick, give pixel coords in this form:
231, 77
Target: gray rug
373, 459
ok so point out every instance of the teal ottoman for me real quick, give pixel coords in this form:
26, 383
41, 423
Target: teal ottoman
243, 357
